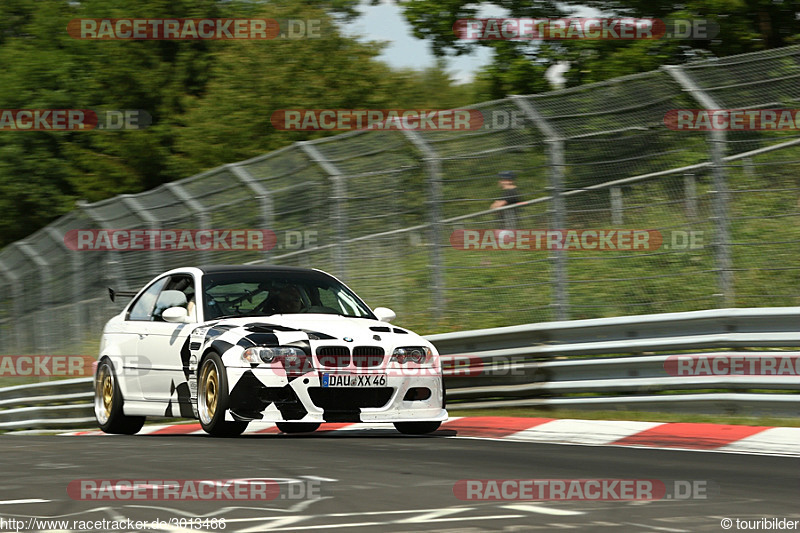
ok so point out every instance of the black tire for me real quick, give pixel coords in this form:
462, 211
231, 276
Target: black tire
297, 427
417, 428
108, 402
212, 398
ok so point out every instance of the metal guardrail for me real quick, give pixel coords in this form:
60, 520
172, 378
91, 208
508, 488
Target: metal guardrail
607, 363
618, 363
49, 405
713, 328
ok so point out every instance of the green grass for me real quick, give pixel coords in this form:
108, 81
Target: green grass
89, 347
490, 288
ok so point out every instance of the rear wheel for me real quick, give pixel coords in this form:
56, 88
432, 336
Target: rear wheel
417, 428
212, 399
108, 403
297, 427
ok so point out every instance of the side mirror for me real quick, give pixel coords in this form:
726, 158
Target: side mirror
176, 314
384, 314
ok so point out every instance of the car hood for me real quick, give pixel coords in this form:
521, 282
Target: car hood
329, 327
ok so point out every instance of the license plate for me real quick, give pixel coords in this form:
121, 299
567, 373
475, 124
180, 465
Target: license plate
353, 380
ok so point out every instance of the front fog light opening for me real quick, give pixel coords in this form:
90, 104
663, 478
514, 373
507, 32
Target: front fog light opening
417, 393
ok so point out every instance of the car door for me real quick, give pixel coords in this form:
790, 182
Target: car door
135, 327
121, 346
165, 344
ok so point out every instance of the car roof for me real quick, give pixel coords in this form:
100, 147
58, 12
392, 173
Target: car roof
230, 269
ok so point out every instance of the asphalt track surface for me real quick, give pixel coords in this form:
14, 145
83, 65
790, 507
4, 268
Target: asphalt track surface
383, 481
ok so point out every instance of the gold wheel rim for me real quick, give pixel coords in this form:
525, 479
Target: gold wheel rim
108, 393
211, 380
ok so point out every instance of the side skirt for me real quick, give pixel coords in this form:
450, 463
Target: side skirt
155, 408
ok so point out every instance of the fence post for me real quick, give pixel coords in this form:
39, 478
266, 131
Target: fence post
717, 140
153, 222
77, 268
690, 194
261, 193
748, 167
113, 260
434, 167
16, 289
44, 270
202, 216
339, 199
558, 212
616, 206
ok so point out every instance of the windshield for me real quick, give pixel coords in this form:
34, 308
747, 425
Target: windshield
236, 294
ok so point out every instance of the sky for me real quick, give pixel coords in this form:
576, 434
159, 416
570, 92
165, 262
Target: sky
385, 22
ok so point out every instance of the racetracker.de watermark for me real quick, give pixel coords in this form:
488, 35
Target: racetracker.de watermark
40, 365
732, 365
591, 29
73, 119
163, 29
243, 489
165, 490
469, 365
123, 240
377, 119
607, 239
46, 365
583, 489
169, 240
733, 119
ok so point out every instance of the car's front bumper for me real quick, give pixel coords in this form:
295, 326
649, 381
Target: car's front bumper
261, 394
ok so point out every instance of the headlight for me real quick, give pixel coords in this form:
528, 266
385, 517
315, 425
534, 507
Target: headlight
289, 354
414, 354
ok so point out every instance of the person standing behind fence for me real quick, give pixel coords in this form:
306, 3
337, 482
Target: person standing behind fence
507, 217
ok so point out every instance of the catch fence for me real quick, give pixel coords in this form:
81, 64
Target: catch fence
382, 207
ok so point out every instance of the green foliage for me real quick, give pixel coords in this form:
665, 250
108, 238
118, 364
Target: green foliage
210, 101
42, 174
745, 26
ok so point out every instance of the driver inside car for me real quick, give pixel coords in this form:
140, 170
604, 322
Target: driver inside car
287, 300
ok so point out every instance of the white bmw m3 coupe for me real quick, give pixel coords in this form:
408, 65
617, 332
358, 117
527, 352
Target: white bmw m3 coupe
229, 345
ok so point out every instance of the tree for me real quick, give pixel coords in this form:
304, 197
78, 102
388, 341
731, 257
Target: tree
745, 26
42, 174
252, 80
210, 101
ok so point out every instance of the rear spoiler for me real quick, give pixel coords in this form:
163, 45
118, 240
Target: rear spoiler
125, 294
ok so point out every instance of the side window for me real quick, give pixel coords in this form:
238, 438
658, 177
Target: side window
143, 306
178, 292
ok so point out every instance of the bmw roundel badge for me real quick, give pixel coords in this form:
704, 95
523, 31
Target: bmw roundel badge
348, 339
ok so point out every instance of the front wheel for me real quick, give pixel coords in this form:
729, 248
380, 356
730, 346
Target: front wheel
417, 428
297, 427
108, 403
212, 399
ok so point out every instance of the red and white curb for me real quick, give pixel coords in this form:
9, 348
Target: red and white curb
679, 436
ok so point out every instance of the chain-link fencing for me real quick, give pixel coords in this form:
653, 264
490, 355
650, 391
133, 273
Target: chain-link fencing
383, 208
